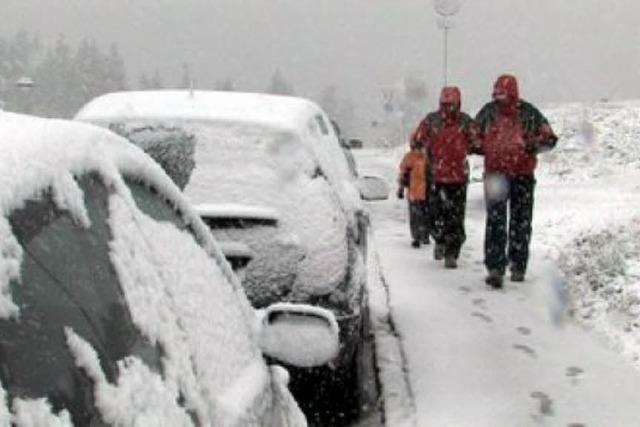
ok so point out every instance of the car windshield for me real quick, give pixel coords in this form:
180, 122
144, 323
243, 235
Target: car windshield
67, 280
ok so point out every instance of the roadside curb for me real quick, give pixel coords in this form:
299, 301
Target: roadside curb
398, 401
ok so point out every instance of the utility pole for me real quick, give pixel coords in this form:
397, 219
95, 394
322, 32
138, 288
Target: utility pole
446, 9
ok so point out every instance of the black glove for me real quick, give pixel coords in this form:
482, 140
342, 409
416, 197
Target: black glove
400, 193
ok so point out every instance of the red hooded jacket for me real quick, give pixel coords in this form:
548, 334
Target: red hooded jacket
513, 131
449, 136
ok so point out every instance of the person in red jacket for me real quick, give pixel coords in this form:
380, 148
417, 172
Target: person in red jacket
414, 176
514, 132
449, 135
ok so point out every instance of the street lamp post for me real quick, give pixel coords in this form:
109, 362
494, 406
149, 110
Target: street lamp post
446, 9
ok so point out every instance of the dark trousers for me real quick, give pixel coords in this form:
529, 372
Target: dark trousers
516, 193
419, 221
448, 207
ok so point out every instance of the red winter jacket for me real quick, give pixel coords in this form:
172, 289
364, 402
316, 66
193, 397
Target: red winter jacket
513, 131
449, 136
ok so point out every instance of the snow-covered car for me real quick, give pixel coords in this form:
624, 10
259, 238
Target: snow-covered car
269, 173
116, 304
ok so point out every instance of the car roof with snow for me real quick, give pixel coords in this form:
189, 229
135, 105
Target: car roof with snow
282, 112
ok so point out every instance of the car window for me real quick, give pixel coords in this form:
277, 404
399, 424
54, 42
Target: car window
151, 203
67, 280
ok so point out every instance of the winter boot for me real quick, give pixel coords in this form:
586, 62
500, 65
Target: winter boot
450, 263
415, 244
494, 279
438, 251
517, 276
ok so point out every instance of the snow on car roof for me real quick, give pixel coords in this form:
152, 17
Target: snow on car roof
237, 107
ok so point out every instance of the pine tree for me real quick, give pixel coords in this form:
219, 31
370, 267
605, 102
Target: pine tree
90, 69
18, 60
186, 80
56, 82
225, 85
144, 83
279, 85
116, 71
156, 81
340, 109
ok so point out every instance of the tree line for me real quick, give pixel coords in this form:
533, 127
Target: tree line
56, 80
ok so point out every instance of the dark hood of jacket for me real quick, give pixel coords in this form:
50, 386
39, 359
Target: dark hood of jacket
506, 93
450, 102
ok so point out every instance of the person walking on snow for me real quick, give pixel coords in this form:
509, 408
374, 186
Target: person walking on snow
413, 175
448, 135
513, 133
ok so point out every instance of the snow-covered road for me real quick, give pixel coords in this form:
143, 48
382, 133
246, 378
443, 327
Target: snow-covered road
479, 357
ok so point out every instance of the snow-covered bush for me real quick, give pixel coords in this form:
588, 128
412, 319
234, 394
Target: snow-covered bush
173, 148
594, 139
602, 272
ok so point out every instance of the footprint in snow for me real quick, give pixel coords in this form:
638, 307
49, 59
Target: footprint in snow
574, 371
526, 349
482, 316
464, 289
545, 403
480, 303
523, 330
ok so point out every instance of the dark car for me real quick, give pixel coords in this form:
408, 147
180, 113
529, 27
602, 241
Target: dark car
270, 174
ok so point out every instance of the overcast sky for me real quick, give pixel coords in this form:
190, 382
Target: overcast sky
560, 49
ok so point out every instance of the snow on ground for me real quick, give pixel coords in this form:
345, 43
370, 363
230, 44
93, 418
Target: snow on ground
513, 357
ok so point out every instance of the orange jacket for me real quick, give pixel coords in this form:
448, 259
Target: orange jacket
414, 174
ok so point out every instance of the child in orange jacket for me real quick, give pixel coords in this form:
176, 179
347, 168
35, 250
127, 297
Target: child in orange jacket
414, 175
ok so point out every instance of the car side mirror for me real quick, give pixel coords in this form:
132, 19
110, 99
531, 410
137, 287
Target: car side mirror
299, 335
373, 188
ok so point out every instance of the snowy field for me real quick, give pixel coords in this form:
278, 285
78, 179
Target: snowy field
560, 349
